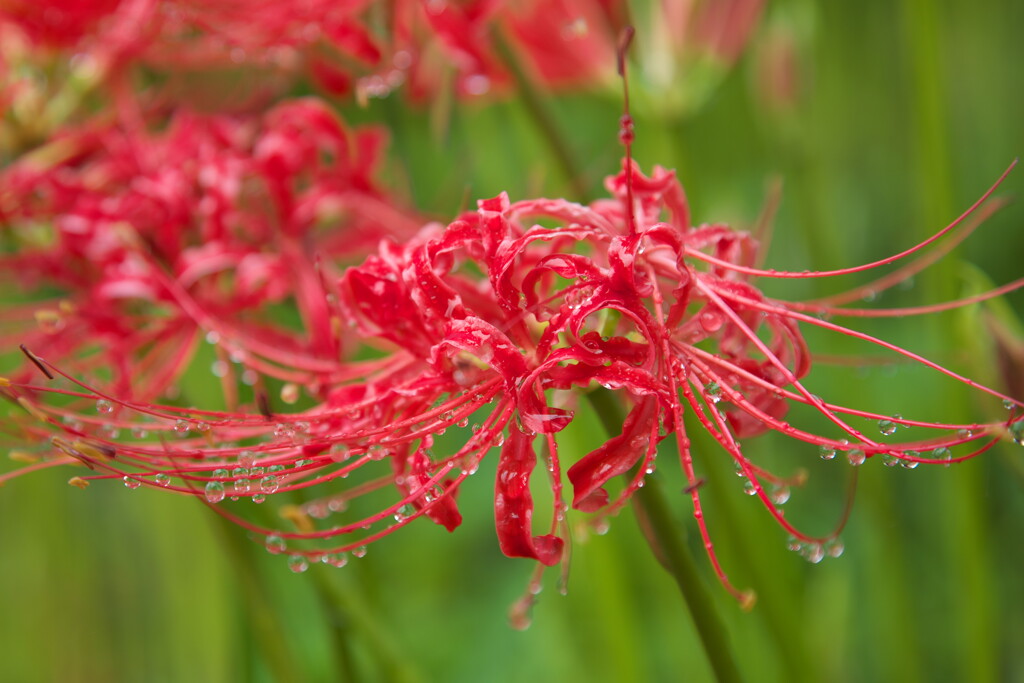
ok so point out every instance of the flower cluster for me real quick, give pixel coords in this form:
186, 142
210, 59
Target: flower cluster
159, 235
504, 319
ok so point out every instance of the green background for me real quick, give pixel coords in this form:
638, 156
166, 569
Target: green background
908, 111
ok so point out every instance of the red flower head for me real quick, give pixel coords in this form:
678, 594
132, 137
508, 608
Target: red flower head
499, 320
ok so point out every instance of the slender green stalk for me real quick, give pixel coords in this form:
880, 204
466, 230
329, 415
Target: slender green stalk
665, 535
265, 624
543, 119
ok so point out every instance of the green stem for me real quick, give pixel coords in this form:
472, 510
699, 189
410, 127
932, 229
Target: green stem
543, 119
264, 622
666, 538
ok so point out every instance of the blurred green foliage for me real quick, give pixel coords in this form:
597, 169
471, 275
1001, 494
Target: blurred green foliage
905, 113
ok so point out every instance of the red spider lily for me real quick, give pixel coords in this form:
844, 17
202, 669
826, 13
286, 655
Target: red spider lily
158, 236
374, 48
497, 320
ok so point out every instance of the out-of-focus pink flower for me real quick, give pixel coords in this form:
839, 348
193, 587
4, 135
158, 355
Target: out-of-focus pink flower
372, 49
494, 327
158, 232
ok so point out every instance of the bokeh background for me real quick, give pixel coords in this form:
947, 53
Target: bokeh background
890, 119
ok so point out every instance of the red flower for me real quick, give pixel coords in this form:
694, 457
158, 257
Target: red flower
161, 236
498, 320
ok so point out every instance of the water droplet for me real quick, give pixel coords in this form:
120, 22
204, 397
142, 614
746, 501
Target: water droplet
359, 552
181, 427
284, 431
710, 321
290, 393
910, 464
336, 560
404, 512
813, 553
1017, 432
887, 427
856, 457
246, 459
713, 392
275, 545
269, 484
202, 427
162, 479
258, 498
273, 469
241, 484
376, 452
105, 407
780, 494
1008, 404
214, 491
213, 337
834, 547
890, 460
298, 564
131, 482
942, 453
749, 488
139, 433
793, 544
826, 452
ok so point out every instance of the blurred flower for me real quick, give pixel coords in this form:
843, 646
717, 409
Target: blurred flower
494, 327
139, 236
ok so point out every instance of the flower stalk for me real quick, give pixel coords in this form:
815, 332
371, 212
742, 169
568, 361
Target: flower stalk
665, 536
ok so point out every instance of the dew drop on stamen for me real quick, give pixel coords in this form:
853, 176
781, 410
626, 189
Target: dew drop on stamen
856, 457
887, 427
275, 545
139, 433
162, 479
337, 560
826, 452
359, 552
246, 459
749, 488
104, 407
298, 564
241, 484
910, 464
181, 427
780, 495
942, 453
834, 548
259, 498
890, 460
131, 482
813, 553
710, 321
713, 392
269, 484
1017, 432
214, 491
1008, 404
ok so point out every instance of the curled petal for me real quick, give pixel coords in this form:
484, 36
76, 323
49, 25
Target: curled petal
513, 504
